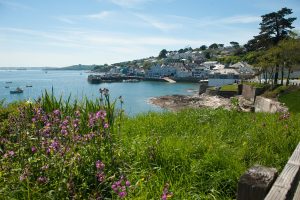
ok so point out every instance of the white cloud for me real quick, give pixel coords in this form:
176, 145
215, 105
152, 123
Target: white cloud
240, 20
65, 20
163, 26
101, 15
72, 19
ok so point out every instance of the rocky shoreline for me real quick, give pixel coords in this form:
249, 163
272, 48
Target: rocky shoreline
178, 102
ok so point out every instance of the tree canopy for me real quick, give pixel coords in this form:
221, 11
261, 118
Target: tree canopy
273, 28
163, 54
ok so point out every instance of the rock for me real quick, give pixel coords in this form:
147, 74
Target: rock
263, 104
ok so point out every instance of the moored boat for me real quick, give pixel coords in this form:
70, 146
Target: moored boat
16, 91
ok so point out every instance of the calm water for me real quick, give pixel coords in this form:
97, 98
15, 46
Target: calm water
135, 95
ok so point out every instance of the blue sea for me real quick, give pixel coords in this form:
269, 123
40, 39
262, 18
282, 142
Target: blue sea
135, 95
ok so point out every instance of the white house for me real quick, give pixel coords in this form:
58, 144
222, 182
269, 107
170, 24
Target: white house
158, 71
200, 72
245, 70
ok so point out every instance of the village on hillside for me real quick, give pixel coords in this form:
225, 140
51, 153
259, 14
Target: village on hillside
185, 66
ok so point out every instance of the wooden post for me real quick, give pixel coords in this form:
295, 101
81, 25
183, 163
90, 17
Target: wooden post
255, 183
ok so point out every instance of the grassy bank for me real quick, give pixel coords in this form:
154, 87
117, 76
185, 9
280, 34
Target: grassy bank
55, 150
291, 100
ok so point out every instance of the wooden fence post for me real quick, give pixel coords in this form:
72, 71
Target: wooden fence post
255, 183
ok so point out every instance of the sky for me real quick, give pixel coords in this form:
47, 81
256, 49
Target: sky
57, 33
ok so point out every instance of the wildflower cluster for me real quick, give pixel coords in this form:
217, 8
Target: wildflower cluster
98, 118
100, 175
121, 187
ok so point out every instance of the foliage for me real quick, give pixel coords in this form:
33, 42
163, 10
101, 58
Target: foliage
274, 93
162, 54
203, 47
213, 46
235, 44
273, 28
230, 59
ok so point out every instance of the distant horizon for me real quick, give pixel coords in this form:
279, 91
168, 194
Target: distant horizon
59, 34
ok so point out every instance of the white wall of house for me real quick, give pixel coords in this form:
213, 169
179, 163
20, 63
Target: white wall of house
217, 82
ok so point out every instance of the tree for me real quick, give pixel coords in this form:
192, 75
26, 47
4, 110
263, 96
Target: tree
162, 54
276, 26
220, 45
235, 44
180, 51
213, 46
273, 28
203, 47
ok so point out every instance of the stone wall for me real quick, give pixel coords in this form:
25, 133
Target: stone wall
225, 94
249, 92
202, 88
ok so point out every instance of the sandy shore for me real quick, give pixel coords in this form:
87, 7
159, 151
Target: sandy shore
177, 102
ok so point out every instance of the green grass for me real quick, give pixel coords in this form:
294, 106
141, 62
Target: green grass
255, 84
291, 100
233, 87
200, 153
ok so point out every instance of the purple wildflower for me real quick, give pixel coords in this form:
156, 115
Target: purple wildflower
100, 176
23, 177
100, 165
56, 112
120, 187
166, 194
101, 114
76, 123
33, 149
122, 194
92, 120
42, 180
11, 153
65, 122
106, 125
127, 183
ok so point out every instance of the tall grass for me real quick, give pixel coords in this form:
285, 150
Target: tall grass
191, 154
